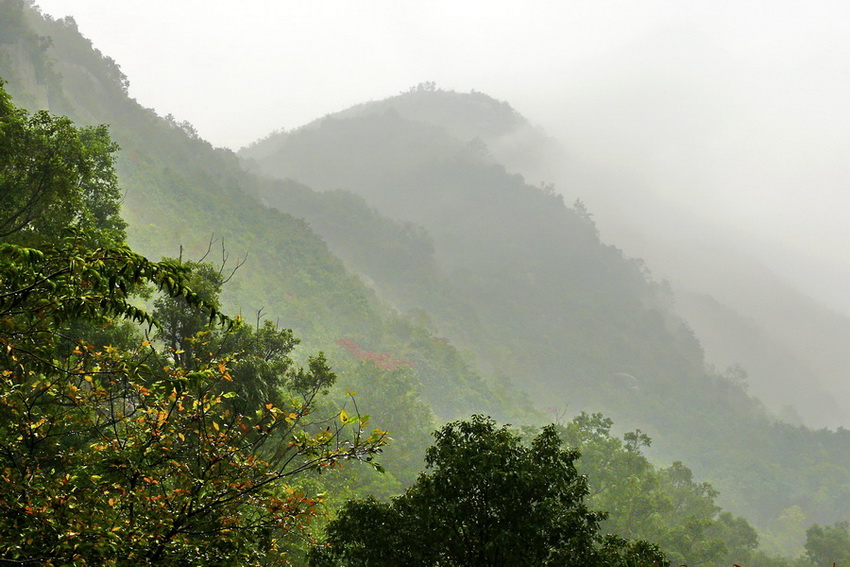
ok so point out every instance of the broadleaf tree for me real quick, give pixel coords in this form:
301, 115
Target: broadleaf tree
114, 454
486, 499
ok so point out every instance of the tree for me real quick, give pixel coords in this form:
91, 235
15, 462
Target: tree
107, 454
486, 500
56, 176
666, 505
116, 454
828, 545
181, 323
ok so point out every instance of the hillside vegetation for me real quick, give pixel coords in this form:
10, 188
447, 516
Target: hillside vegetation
440, 285
565, 316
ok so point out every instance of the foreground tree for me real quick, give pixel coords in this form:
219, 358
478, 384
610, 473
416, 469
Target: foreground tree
486, 500
114, 454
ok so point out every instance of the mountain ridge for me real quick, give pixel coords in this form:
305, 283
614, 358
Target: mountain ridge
539, 312
592, 327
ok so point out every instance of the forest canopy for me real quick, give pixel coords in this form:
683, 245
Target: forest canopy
438, 283
181, 447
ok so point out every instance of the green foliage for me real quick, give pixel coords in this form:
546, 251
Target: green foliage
47, 288
392, 398
110, 454
524, 283
485, 499
784, 536
98, 468
56, 176
828, 545
663, 505
180, 322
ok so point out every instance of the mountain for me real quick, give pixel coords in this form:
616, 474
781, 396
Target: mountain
799, 364
526, 283
513, 250
752, 278
395, 238
186, 198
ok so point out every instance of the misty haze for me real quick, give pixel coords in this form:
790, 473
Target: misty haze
429, 284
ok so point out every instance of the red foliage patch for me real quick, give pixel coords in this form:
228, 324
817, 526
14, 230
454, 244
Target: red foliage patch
382, 359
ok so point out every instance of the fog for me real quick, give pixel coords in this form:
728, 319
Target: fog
709, 138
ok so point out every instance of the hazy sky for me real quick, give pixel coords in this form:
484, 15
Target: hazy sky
738, 110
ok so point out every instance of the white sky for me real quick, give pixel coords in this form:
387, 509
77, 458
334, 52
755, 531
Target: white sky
739, 110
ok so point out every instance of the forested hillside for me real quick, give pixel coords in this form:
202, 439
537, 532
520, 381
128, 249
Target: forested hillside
440, 285
567, 317
288, 272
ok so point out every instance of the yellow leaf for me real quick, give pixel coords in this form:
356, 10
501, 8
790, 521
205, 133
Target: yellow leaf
343, 417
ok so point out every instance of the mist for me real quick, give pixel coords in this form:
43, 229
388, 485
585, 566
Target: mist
734, 111
624, 218
709, 140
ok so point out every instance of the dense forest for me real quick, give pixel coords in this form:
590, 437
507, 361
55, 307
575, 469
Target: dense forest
308, 353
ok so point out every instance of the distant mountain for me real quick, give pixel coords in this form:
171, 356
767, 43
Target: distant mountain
525, 282
751, 279
792, 348
534, 269
800, 362
437, 281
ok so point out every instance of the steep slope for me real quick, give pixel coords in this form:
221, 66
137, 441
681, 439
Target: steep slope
181, 193
801, 361
503, 268
562, 314
700, 255
513, 251
792, 349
